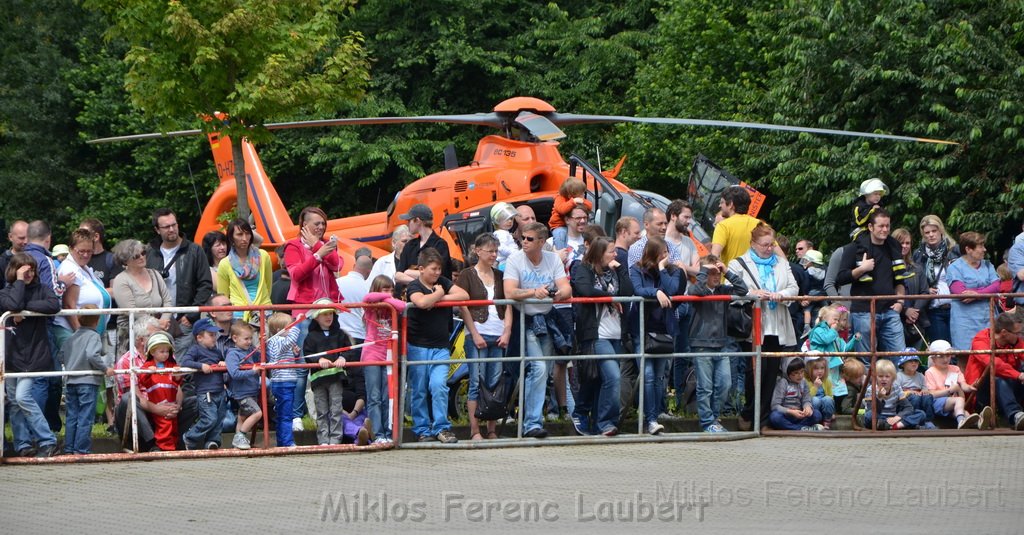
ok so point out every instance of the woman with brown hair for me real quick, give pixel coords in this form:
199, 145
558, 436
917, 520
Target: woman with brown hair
971, 274
599, 331
86, 289
915, 314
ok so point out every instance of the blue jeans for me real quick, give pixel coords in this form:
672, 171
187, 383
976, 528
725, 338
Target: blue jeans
211, 407
939, 327
911, 421
376, 378
738, 368
1008, 396
603, 393
888, 330
826, 405
713, 383
40, 391
536, 380
284, 393
654, 387
491, 371
781, 420
681, 365
428, 421
299, 397
923, 402
27, 421
80, 401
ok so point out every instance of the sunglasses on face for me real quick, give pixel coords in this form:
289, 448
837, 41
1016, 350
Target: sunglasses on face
530, 238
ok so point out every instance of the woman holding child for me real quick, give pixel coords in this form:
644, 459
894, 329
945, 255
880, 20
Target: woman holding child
768, 277
599, 332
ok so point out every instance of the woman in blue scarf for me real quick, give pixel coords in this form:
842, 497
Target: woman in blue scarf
769, 278
244, 275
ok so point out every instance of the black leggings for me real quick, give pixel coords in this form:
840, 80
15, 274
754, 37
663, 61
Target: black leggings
770, 367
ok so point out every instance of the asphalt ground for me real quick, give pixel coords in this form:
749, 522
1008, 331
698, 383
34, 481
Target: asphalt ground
765, 485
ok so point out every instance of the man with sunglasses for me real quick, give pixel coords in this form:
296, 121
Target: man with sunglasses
534, 273
185, 269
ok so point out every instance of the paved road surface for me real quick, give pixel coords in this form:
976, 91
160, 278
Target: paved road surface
768, 485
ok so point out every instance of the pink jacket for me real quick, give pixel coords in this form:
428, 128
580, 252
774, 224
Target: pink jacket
311, 279
378, 326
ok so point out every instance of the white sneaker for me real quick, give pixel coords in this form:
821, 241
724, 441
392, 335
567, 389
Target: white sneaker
241, 441
380, 440
297, 425
654, 428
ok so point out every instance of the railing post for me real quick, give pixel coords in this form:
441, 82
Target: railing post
873, 349
263, 381
403, 380
132, 382
3, 371
522, 371
392, 374
991, 359
755, 341
642, 376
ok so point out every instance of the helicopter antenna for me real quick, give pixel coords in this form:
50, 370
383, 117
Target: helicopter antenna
199, 204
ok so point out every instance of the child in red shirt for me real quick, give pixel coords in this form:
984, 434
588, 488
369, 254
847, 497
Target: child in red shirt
161, 388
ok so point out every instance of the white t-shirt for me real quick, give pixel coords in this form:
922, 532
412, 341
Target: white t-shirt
494, 326
90, 289
530, 276
172, 278
610, 326
353, 290
384, 265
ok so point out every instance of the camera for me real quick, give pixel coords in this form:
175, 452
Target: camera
552, 292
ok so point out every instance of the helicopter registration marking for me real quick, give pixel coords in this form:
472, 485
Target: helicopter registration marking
505, 152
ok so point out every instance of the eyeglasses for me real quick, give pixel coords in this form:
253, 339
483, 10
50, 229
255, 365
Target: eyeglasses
763, 245
167, 227
530, 238
138, 256
579, 218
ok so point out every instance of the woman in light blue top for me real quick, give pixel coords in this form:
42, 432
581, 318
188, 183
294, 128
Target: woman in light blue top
970, 274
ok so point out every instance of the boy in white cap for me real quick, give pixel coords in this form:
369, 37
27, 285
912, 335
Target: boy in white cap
946, 383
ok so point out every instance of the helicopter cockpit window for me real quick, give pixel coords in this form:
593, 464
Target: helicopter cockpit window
465, 228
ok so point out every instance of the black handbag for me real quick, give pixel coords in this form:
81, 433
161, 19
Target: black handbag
659, 344
493, 403
741, 313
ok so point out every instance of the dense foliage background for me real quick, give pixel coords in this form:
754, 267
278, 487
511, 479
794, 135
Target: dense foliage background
942, 69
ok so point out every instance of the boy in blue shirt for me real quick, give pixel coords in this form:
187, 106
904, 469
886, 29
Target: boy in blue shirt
209, 385
245, 384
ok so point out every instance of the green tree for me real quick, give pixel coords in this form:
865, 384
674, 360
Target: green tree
255, 60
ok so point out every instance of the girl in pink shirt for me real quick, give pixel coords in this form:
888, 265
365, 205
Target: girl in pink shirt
946, 383
378, 336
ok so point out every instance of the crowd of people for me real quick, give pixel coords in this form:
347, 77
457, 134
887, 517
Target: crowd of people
539, 268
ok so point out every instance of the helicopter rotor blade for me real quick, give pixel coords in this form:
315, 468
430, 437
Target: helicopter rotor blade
539, 126
573, 119
152, 135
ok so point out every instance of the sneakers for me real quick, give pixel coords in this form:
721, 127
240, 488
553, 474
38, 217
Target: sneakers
297, 425
988, 418
211, 445
714, 428
240, 441
581, 424
380, 440
46, 451
447, 437
928, 426
815, 427
1018, 422
654, 428
610, 432
970, 421
427, 438
536, 432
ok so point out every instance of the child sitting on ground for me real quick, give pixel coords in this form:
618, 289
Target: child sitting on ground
570, 195
791, 401
211, 399
894, 409
162, 389
709, 335
378, 335
912, 384
325, 334
82, 352
946, 384
282, 348
244, 385
854, 375
819, 386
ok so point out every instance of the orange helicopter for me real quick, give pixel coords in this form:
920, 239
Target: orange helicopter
522, 165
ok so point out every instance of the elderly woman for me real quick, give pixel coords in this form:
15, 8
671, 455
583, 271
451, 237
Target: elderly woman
137, 287
915, 314
215, 245
385, 265
85, 289
244, 276
937, 251
971, 275
768, 277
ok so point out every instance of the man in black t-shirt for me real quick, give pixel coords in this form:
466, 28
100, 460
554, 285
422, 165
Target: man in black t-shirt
421, 220
428, 340
873, 271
